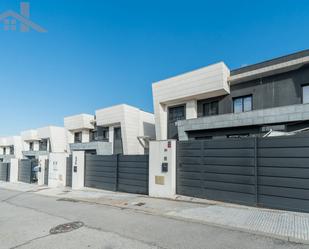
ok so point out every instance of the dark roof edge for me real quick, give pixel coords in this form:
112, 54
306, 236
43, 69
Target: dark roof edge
271, 62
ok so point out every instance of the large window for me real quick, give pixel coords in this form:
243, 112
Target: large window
31, 146
306, 94
242, 104
77, 137
211, 108
43, 145
12, 150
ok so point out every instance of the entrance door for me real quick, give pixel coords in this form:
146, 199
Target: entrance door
174, 114
118, 149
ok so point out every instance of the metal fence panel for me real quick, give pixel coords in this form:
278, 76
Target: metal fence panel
4, 172
217, 169
269, 172
101, 172
46, 172
25, 170
126, 173
133, 172
283, 173
69, 172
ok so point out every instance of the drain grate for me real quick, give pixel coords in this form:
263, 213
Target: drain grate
65, 228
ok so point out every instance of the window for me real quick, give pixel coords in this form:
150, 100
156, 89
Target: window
43, 145
31, 146
102, 133
77, 137
211, 108
242, 104
117, 133
4, 151
305, 94
11, 150
92, 135
176, 113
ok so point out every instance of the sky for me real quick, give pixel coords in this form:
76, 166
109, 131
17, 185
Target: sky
99, 53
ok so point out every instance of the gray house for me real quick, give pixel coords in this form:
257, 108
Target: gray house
214, 102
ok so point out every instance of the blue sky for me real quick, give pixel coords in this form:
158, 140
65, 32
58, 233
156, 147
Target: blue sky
99, 53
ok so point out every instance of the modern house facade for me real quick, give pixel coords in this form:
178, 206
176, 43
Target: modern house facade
82, 135
214, 102
10, 147
42, 141
120, 129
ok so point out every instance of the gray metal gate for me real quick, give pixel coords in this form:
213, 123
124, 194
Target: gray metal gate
126, 173
25, 170
5, 172
268, 172
46, 172
101, 171
133, 174
69, 172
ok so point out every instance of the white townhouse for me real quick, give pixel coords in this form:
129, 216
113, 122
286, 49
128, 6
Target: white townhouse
42, 141
10, 147
120, 129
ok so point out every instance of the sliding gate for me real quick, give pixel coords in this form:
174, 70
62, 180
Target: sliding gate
25, 170
268, 172
126, 173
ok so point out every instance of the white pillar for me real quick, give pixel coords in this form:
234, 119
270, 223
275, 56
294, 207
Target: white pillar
42, 165
191, 109
78, 169
162, 169
14, 170
57, 170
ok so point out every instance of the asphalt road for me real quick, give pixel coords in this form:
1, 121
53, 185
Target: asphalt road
26, 220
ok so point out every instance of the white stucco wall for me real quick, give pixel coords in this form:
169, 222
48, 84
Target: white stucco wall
7, 142
133, 122
186, 89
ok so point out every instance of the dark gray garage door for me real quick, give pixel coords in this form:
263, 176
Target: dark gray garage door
4, 172
101, 171
133, 174
268, 172
69, 172
25, 170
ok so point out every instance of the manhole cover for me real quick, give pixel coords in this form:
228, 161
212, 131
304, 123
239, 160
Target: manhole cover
68, 227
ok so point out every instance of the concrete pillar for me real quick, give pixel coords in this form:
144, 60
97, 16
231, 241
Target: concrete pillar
57, 170
78, 169
191, 109
42, 165
162, 169
14, 170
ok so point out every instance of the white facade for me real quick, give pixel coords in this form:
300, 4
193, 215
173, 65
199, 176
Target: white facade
78, 123
10, 147
207, 82
55, 137
135, 125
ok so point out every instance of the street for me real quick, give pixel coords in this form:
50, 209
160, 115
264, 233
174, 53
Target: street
27, 218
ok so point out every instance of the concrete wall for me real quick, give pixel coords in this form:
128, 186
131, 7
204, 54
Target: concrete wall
7, 142
186, 89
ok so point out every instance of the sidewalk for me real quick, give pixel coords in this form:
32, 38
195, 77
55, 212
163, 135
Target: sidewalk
284, 225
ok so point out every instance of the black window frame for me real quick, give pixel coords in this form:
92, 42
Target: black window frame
173, 107
210, 103
242, 98
302, 92
31, 146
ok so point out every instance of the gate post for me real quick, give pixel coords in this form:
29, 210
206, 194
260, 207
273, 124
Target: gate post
14, 170
41, 173
78, 169
162, 168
